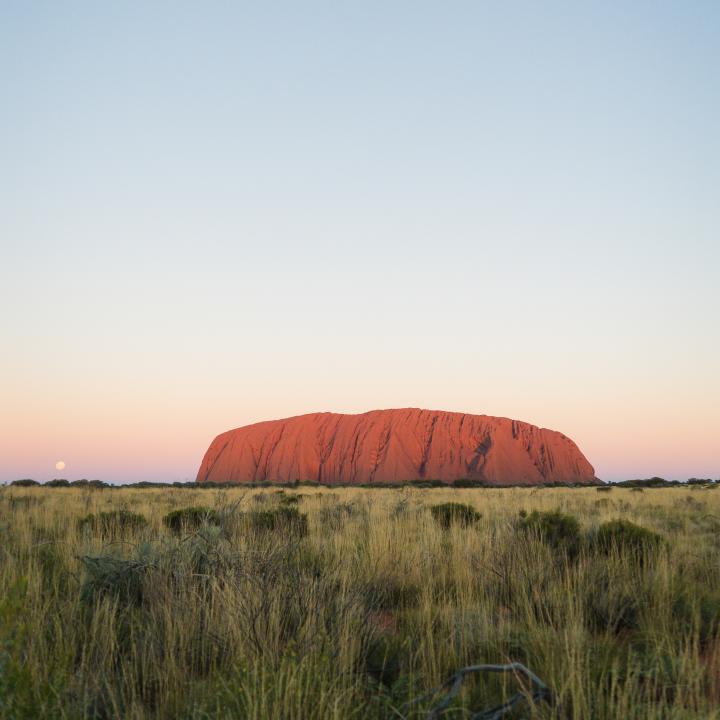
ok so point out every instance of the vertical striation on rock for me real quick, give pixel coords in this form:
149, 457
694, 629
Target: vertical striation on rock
395, 446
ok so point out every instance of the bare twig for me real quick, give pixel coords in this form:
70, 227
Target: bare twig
454, 683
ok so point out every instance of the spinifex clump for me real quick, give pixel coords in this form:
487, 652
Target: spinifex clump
558, 530
453, 513
285, 518
191, 518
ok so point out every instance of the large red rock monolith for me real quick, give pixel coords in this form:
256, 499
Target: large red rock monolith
395, 446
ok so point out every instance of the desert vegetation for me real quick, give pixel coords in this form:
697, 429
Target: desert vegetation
355, 603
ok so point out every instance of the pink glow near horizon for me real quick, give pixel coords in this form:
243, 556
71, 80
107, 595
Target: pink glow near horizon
127, 442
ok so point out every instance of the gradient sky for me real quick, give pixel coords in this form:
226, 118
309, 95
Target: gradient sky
214, 213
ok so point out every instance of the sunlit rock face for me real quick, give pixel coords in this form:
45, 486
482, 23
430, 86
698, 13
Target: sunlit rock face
395, 446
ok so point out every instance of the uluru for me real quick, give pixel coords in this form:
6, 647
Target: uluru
395, 446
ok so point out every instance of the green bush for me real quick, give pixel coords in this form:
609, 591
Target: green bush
451, 513
114, 577
284, 518
696, 612
115, 523
25, 482
191, 518
558, 530
625, 536
24, 695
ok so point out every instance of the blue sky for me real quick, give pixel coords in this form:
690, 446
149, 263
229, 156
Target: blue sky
216, 213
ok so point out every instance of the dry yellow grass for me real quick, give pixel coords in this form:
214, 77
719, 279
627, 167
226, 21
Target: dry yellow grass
377, 604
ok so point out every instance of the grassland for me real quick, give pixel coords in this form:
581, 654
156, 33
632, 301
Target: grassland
368, 603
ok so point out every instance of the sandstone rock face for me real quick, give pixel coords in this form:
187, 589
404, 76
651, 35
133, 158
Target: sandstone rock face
395, 446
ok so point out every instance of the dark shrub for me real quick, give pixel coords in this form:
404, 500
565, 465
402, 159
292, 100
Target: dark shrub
98, 484
286, 499
383, 659
696, 612
465, 483
115, 523
415, 483
25, 482
311, 562
92, 484
391, 593
614, 607
447, 514
284, 518
653, 482
57, 482
108, 576
191, 518
625, 537
603, 488
558, 530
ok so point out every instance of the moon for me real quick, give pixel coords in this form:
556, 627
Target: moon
60, 465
